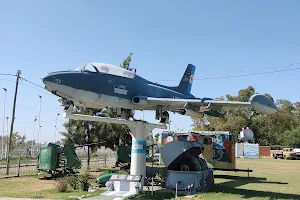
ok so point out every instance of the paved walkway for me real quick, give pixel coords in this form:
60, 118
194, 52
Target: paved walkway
99, 197
9, 198
90, 198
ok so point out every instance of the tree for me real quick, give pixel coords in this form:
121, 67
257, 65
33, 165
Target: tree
16, 140
272, 129
292, 137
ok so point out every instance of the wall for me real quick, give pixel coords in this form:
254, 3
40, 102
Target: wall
264, 151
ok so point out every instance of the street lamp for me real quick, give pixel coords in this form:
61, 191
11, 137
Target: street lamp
32, 144
55, 128
2, 144
7, 134
39, 122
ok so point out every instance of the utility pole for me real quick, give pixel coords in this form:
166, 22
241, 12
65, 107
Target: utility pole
2, 145
55, 128
12, 122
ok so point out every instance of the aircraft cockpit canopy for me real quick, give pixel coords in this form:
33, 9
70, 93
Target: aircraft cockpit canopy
107, 69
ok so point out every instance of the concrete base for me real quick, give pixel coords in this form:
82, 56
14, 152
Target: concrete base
139, 132
122, 194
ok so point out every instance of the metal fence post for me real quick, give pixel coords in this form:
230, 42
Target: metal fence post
105, 159
19, 166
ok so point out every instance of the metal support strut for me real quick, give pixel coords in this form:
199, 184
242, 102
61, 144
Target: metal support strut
139, 132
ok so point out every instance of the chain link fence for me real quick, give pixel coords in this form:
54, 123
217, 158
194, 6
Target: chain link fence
22, 162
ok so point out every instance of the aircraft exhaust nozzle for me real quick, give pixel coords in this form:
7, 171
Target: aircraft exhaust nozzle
189, 112
263, 104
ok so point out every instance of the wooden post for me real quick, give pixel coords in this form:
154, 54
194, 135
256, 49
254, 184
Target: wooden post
152, 186
105, 159
12, 123
248, 173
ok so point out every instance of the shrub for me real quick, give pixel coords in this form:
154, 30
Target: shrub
162, 176
74, 182
62, 185
84, 181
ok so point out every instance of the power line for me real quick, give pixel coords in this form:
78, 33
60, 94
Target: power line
33, 108
47, 104
249, 74
36, 88
33, 112
31, 83
7, 74
3, 79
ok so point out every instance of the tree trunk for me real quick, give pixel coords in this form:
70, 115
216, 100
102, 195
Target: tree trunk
89, 149
88, 158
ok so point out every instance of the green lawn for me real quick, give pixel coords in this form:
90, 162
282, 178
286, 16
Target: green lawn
271, 179
32, 187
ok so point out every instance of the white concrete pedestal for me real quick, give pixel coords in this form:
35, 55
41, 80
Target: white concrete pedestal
139, 132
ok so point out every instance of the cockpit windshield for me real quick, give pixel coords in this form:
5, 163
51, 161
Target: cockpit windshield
88, 67
107, 69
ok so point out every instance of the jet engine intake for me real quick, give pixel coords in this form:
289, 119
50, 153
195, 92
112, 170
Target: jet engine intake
189, 112
139, 100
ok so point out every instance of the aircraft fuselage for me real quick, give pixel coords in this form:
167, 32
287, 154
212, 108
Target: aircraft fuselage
97, 90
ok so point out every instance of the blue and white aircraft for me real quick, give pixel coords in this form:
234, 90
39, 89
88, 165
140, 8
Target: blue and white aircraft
98, 85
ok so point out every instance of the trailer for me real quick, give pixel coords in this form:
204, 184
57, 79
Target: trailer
58, 161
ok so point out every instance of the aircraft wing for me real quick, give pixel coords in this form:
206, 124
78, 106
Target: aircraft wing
196, 102
260, 103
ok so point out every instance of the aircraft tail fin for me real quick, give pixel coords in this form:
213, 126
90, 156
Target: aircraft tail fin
186, 82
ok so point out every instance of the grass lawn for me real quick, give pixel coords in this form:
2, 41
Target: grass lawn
270, 179
31, 187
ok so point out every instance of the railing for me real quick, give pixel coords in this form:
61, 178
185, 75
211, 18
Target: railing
28, 166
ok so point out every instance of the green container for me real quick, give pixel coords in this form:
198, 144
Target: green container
48, 157
72, 159
104, 178
123, 154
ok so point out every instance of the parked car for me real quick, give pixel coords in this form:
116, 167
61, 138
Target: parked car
285, 153
297, 150
288, 153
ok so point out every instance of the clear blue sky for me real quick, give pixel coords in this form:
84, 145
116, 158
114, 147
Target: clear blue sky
218, 37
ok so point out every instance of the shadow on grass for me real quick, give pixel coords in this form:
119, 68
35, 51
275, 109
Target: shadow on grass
157, 195
231, 188
247, 180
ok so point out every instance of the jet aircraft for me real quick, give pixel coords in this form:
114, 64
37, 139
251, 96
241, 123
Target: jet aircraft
99, 85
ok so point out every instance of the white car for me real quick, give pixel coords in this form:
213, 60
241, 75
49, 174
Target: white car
297, 150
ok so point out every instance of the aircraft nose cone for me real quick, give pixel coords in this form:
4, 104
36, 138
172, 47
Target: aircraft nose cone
47, 79
52, 80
